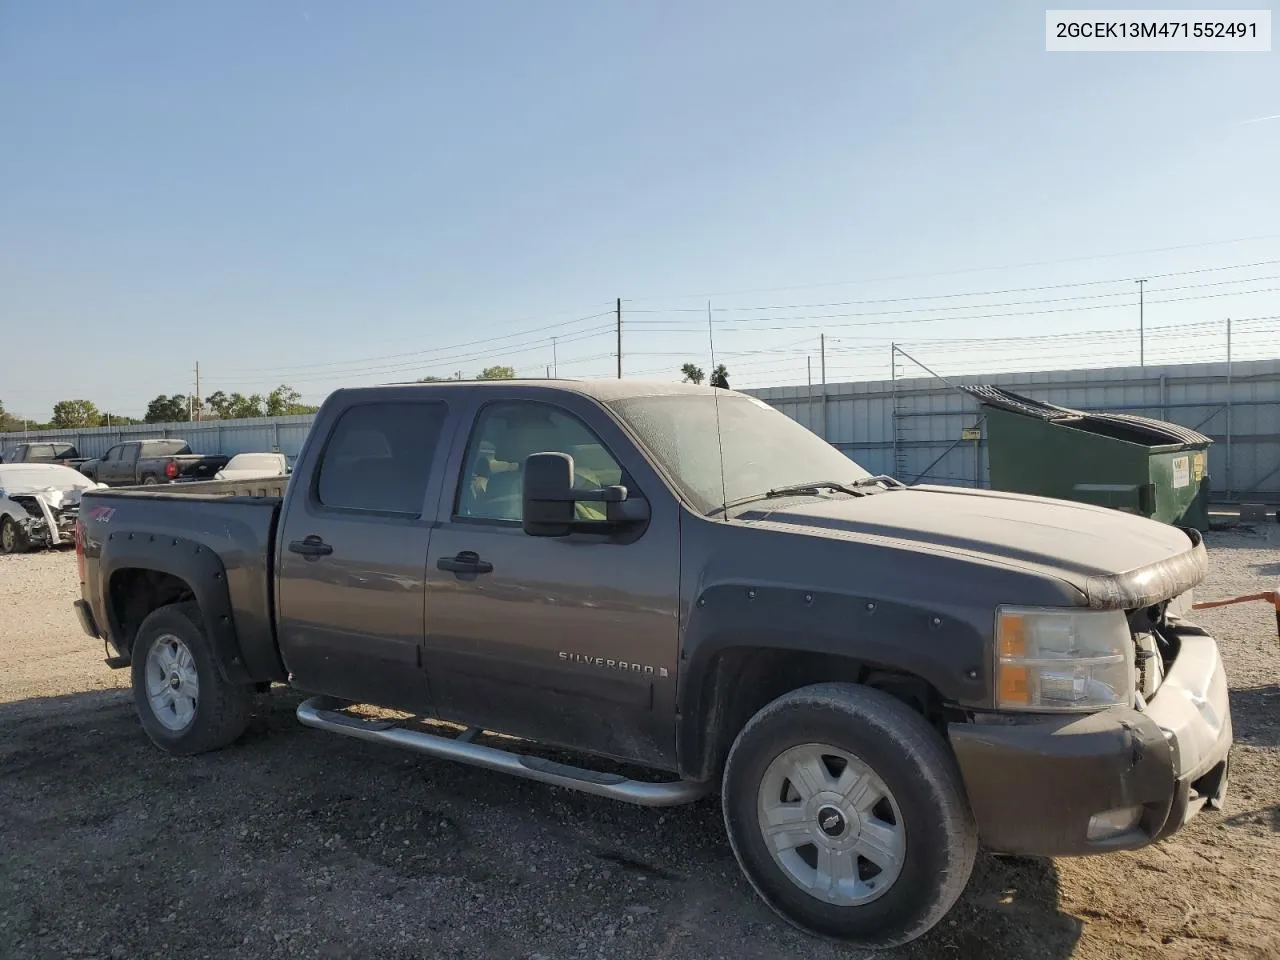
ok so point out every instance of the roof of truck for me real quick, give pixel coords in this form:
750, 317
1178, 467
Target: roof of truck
603, 389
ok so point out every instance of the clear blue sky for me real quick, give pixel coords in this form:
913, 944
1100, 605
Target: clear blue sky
279, 190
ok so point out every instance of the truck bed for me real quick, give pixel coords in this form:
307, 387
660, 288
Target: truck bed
234, 522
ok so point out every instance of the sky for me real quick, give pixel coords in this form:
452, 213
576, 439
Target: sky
328, 193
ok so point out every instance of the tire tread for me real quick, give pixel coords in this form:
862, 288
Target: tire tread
926, 750
224, 708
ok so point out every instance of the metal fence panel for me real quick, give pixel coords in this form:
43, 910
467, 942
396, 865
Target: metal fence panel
1238, 405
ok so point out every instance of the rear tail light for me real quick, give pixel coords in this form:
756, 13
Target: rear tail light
170, 469
80, 550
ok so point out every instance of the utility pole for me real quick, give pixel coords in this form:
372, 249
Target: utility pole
198, 404
808, 370
1227, 471
555, 367
1142, 361
822, 371
619, 314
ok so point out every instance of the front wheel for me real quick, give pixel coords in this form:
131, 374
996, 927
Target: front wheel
12, 539
185, 705
846, 812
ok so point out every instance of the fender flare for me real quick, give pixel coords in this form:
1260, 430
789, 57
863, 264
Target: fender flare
932, 645
197, 566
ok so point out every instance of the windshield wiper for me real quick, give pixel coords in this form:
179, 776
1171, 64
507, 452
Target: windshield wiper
891, 483
793, 489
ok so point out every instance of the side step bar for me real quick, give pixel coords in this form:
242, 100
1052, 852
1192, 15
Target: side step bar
318, 712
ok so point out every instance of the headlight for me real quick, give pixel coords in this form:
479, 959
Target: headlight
1062, 659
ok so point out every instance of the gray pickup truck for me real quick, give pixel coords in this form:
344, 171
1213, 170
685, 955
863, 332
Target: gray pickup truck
149, 462
704, 596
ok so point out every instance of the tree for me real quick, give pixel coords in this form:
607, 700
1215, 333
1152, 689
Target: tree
167, 409
8, 422
74, 413
240, 407
720, 377
108, 419
284, 401
497, 373
218, 402
692, 373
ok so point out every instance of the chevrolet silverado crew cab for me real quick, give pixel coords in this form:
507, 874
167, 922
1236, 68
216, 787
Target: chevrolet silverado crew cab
692, 594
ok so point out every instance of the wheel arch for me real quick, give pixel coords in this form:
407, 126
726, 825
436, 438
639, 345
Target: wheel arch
739, 679
144, 572
745, 644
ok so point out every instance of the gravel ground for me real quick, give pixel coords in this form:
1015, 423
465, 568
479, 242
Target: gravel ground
298, 843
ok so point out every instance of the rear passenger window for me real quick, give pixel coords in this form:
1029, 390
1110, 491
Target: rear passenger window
379, 457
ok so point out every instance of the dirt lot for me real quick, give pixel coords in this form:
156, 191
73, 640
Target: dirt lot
297, 843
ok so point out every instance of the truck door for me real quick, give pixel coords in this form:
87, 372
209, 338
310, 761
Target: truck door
120, 469
354, 542
568, 641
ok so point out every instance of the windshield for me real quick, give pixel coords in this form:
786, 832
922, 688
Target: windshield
763, 449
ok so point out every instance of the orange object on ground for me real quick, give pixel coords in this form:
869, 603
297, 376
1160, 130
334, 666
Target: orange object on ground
1271, 596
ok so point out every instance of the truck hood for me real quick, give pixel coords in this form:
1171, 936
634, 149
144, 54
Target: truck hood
1117, 560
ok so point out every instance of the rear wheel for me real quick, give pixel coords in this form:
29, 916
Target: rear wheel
184, 703
847, 814
149, 480
12, 539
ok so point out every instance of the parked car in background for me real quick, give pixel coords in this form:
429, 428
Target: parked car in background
39, 504
151, 461
63, 454
254, 466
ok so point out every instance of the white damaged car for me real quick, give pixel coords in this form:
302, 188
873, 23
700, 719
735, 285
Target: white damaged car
39, 503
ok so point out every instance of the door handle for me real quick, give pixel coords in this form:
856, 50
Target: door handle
468, 561
312, 546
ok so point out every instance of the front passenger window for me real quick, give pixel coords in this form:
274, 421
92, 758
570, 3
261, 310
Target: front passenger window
505, 436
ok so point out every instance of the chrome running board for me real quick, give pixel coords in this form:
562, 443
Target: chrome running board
322, 713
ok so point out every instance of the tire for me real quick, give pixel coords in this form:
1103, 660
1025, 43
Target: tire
170, 651
904, 793
12, 539
149, 480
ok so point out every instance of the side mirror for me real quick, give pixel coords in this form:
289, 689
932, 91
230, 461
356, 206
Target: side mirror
548, 495
549, 498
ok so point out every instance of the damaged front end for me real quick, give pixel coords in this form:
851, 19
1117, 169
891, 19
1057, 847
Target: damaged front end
50, 516
1153, 583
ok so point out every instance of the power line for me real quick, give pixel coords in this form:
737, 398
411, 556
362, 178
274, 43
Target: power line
504, 352
973, 293
985, 316
1016, 303
430, 355
428, 351
1169, 341
967, 270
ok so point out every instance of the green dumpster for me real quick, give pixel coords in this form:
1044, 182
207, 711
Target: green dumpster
1135, 464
